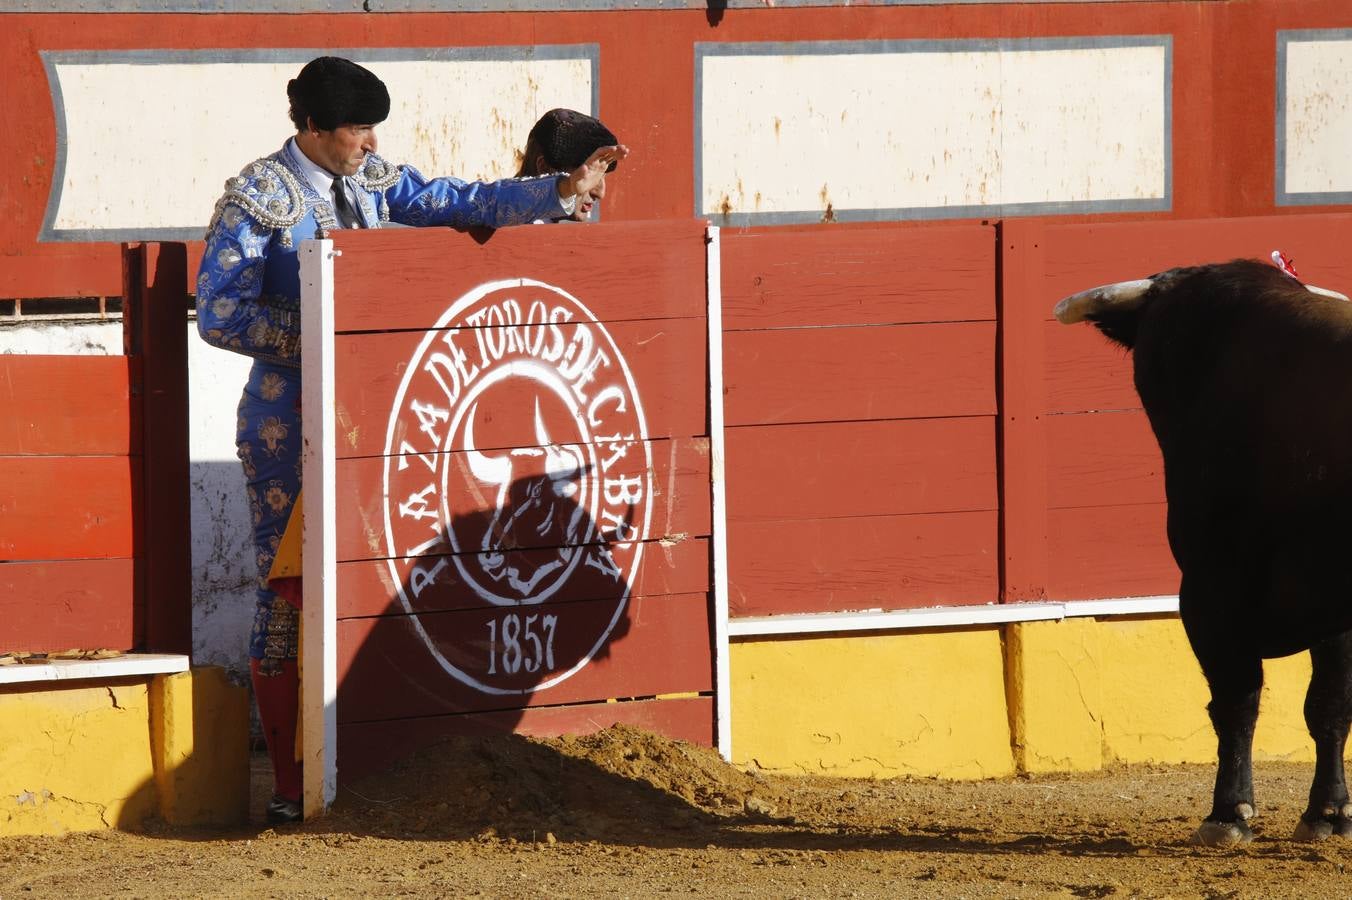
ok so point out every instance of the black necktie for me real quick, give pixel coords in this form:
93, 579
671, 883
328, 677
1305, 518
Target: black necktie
342, 209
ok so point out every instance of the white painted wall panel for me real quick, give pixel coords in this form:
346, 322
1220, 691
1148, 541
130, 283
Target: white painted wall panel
909, 129
470, 118
54, 337
224, 571
1315, 117
462, 117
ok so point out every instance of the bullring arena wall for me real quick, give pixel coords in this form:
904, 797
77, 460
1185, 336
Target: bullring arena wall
944, 514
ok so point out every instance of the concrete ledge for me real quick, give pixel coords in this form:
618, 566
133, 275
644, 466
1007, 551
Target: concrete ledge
83, 669
947, 616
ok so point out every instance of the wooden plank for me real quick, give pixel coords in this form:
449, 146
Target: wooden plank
666, 358
369, 588
1023, 434
156, 317
1085, 371
843, 469
58, 605
718, 497
662, 275
886, 562
194, 250
369, 747
679, 501
1109, 551
77, 507
657, 646
1102, 459
319, 628
66, 406
88, 270
831, 275
876, 372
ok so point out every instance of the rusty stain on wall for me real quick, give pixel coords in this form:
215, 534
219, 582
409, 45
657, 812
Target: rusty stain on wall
348, 428
997, 132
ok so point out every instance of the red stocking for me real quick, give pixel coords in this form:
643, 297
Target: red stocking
278, 707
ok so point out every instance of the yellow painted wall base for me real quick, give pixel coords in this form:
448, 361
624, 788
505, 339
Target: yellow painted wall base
199, 729
1032, 697
90, 755
1130, 690
872, 705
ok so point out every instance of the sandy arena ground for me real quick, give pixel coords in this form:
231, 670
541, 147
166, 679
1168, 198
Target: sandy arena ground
627, 814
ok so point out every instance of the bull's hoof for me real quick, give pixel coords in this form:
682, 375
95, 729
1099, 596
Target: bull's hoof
1318, 830
1314, 827
1222, 834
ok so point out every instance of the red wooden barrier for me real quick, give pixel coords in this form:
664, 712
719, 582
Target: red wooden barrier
66, 502
860, 398
522, 482
1084, 499
94, 500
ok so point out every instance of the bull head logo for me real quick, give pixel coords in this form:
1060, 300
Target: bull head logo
545, 504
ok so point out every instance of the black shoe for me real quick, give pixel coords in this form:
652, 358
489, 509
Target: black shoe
282, 811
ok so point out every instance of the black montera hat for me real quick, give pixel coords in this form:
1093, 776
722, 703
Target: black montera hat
335, 91
567, 137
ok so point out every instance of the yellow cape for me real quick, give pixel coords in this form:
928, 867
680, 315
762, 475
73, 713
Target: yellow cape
287, 562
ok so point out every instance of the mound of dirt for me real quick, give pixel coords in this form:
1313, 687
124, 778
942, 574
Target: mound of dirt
619, 781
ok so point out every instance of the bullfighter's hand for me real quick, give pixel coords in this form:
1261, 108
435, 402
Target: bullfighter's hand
590, 173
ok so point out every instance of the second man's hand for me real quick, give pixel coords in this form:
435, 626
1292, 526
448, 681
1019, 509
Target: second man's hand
589, 174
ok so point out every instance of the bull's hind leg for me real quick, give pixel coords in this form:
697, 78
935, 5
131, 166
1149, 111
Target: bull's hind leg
1328, 713
1235, 676
1234, 712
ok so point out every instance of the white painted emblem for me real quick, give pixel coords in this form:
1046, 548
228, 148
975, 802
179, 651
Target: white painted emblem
517, 487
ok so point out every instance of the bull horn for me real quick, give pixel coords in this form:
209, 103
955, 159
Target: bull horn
560, 464
488, 469
541, 433
1325, 292
1124, 295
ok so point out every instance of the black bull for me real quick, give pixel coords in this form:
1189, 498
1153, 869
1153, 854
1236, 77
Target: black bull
1246, 377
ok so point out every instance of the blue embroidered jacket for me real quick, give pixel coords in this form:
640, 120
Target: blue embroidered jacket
248, 285
248, 300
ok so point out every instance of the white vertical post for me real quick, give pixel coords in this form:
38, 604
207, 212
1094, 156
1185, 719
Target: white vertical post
319, 618
718, 543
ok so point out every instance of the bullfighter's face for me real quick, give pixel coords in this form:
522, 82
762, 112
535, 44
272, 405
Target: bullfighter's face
342, 150
586, 201
589, 199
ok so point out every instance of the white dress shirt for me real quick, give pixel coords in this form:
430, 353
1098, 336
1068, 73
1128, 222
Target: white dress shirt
321, 179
